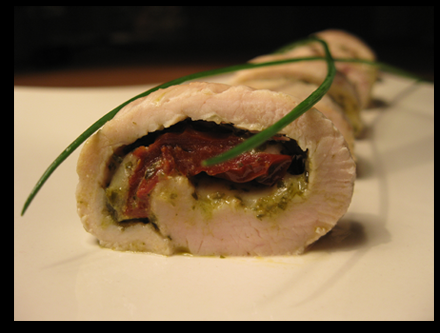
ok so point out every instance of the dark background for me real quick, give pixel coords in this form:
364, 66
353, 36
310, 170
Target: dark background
59, 38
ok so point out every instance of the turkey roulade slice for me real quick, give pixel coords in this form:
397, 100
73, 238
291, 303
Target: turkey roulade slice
343, 44
142, 185
351, 88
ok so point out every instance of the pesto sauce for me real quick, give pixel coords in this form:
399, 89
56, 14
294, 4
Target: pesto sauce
273, 204
262, 202
209, 203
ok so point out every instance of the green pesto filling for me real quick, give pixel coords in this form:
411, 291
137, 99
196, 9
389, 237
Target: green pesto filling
262, 202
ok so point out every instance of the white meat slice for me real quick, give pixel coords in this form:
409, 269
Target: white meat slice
352, 85
346, 45
229, 229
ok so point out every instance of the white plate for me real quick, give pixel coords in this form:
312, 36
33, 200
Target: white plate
377, 264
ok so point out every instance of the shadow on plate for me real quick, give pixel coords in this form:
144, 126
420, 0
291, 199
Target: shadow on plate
376, 103
364, 168
351, 234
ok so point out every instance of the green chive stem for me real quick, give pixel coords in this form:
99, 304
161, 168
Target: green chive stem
99, 123
300, 109
253, 142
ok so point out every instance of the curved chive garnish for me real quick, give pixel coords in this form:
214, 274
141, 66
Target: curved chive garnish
94, 127
300, 109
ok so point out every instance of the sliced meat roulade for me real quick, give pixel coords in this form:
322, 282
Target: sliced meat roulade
351, 88
142, 185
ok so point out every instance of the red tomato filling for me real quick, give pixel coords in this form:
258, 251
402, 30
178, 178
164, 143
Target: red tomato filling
182, 153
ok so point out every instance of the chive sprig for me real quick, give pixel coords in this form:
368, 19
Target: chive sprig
254, 141
100, 122
300, 109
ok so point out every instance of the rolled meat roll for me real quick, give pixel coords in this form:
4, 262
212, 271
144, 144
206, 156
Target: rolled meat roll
342, 91
346, 45
351, 88
142, 186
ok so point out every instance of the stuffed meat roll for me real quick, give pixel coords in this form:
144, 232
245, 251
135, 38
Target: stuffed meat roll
342, 91
345, 45
351, 88
142, 185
